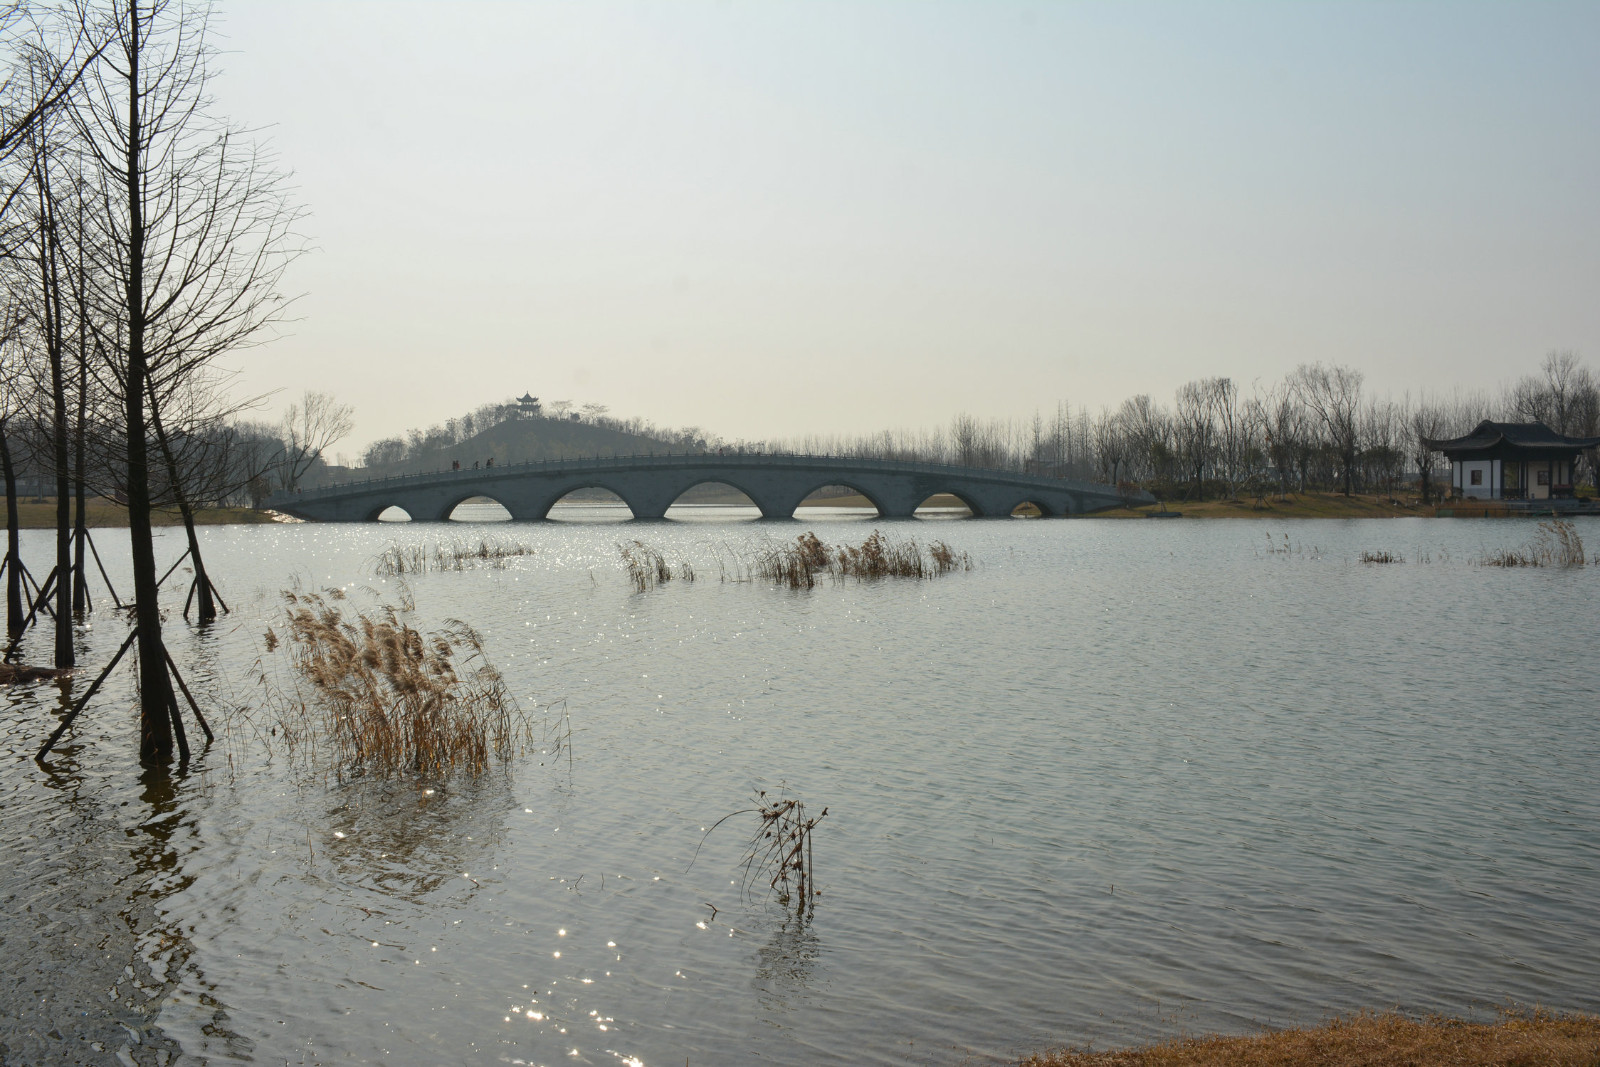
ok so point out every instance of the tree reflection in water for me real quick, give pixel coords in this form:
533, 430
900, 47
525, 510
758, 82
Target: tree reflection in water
95, 961
161, 844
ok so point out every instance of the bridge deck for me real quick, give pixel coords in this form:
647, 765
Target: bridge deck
775, 482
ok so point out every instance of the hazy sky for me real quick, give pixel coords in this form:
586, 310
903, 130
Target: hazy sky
774, 218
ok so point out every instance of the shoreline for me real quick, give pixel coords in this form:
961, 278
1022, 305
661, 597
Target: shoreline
101, 513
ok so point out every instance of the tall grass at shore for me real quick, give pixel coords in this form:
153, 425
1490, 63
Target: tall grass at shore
1555, 544
377, 695
1520, 1039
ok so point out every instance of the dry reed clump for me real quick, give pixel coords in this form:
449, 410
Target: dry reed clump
1384, 556
398, 560
801, 564
1371, 1040
804, 562
647, 567
1555, 544
385, 697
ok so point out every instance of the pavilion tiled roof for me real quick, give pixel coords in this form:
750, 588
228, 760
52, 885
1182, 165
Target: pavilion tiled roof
1488, 434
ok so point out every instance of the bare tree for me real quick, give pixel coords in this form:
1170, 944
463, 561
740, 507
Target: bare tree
1195, 420
1232, 429
43, 286
310, 428
51, 49
1148, 430
1427, 423
10, 405
1333, 396
1382, 451
192, 231
1557, 395
1110, 446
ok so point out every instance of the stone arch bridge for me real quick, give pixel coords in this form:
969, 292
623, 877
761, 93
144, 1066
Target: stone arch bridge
776, 483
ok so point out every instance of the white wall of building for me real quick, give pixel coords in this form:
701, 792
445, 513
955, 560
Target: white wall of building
1488, 476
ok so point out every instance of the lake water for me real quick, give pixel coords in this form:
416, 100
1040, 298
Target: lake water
1123, 779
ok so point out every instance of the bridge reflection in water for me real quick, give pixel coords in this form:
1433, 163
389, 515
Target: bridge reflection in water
775, 483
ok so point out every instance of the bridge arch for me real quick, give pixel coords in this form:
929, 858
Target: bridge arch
711, 492
815, 493
937, 506
390, 513
479, 502
1031, 509
590, 495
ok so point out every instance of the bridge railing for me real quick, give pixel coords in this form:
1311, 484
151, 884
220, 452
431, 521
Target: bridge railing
649, 459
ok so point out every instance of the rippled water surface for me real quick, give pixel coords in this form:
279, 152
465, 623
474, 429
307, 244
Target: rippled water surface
1121, 779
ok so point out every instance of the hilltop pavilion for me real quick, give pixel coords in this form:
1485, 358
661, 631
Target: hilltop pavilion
1512, 461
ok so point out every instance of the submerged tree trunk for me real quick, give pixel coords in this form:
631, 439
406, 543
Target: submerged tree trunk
80, 527
206, 609
80, 532
155, 721
14, 612
64, 583
44, 233
58, 441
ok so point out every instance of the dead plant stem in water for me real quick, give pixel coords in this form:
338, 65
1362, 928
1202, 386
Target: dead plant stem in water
779, 850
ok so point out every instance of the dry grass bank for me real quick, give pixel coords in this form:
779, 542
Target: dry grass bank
1295, 506
1519, 1039
102, 513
